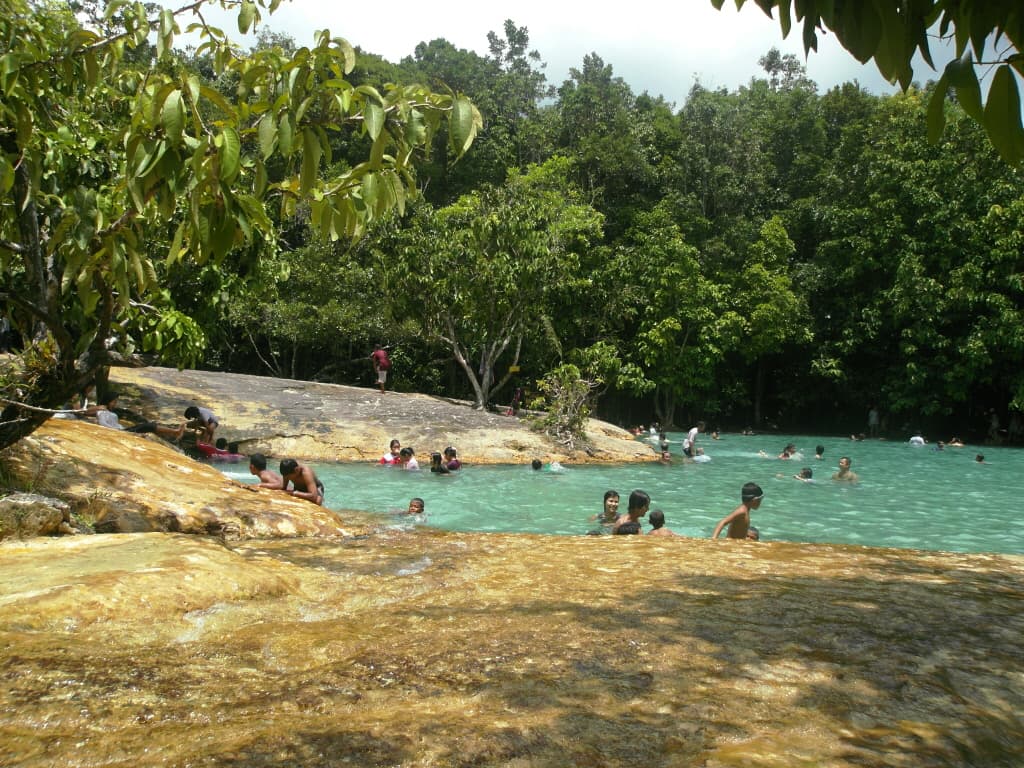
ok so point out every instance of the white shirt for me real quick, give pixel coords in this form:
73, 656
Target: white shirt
691, 436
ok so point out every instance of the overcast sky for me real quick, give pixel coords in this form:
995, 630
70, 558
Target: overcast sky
659, 46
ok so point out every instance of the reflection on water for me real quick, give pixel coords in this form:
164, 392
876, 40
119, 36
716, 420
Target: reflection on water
907, 497
423, 648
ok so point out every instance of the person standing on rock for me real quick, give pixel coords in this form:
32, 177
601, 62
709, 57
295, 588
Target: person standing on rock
381, 364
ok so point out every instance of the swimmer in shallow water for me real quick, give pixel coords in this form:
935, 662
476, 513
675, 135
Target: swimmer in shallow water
657, 518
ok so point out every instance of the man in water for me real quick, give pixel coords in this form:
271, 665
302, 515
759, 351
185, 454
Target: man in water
268, 478
844, 474
306, 484
639, 503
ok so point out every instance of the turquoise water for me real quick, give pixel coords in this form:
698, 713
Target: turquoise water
907, 497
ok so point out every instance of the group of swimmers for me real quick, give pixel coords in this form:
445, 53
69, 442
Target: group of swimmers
736, 523
442, 463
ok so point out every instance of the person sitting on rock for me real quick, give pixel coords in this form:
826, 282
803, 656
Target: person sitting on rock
106, 416
305, 483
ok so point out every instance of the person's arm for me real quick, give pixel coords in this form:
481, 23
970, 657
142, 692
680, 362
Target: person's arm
726, 521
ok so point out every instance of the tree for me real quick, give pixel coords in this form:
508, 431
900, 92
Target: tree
482, 273
110, 160
891, 33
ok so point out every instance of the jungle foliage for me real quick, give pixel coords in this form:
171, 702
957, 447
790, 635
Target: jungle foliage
766, 255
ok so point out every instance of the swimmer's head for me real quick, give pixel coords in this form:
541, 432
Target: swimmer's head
819, 450
627, 528
288, 466
752, 494
258, 462
657, 519
806, 473
536, 464
415, 506
753, 534
639, 500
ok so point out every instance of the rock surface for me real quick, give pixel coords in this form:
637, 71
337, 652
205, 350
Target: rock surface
424, 649
328, 422
121, 482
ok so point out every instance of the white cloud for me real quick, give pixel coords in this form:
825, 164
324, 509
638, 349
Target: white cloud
661, 46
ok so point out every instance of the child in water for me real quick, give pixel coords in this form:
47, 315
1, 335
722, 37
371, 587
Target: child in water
739, 519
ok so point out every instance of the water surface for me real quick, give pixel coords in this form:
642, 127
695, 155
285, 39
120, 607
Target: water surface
907, 497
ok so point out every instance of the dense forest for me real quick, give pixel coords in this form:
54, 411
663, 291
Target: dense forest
771, 256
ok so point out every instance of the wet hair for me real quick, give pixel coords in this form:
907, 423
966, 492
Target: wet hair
415, 499
609, 493
756, 533
222, 443
638, 500
627, 528
657, 518
288, 466
259, 461
751, 491
820, 449
449, 451
806, 473
790, 448
536, 464
406, 452
191, 412
980, 457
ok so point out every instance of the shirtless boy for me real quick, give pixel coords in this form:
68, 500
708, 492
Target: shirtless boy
268, 477
639, 503
306, 484
739, 519
657, 518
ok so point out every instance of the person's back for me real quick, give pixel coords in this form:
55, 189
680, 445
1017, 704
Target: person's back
268, 478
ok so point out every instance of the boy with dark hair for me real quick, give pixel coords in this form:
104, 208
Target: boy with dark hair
739, 519
306, 484
639, 503
268, 477
657, 518
628, 528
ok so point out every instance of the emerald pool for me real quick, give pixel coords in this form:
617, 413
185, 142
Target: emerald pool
911, 497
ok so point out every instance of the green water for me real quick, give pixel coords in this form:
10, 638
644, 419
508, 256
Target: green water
907, 497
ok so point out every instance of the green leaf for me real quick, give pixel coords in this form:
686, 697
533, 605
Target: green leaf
965, 80
310, 160
286, 134
463, 124
246, 15
172, 116
267, 131
373, 114
1002, 116
230, 147
175, 251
